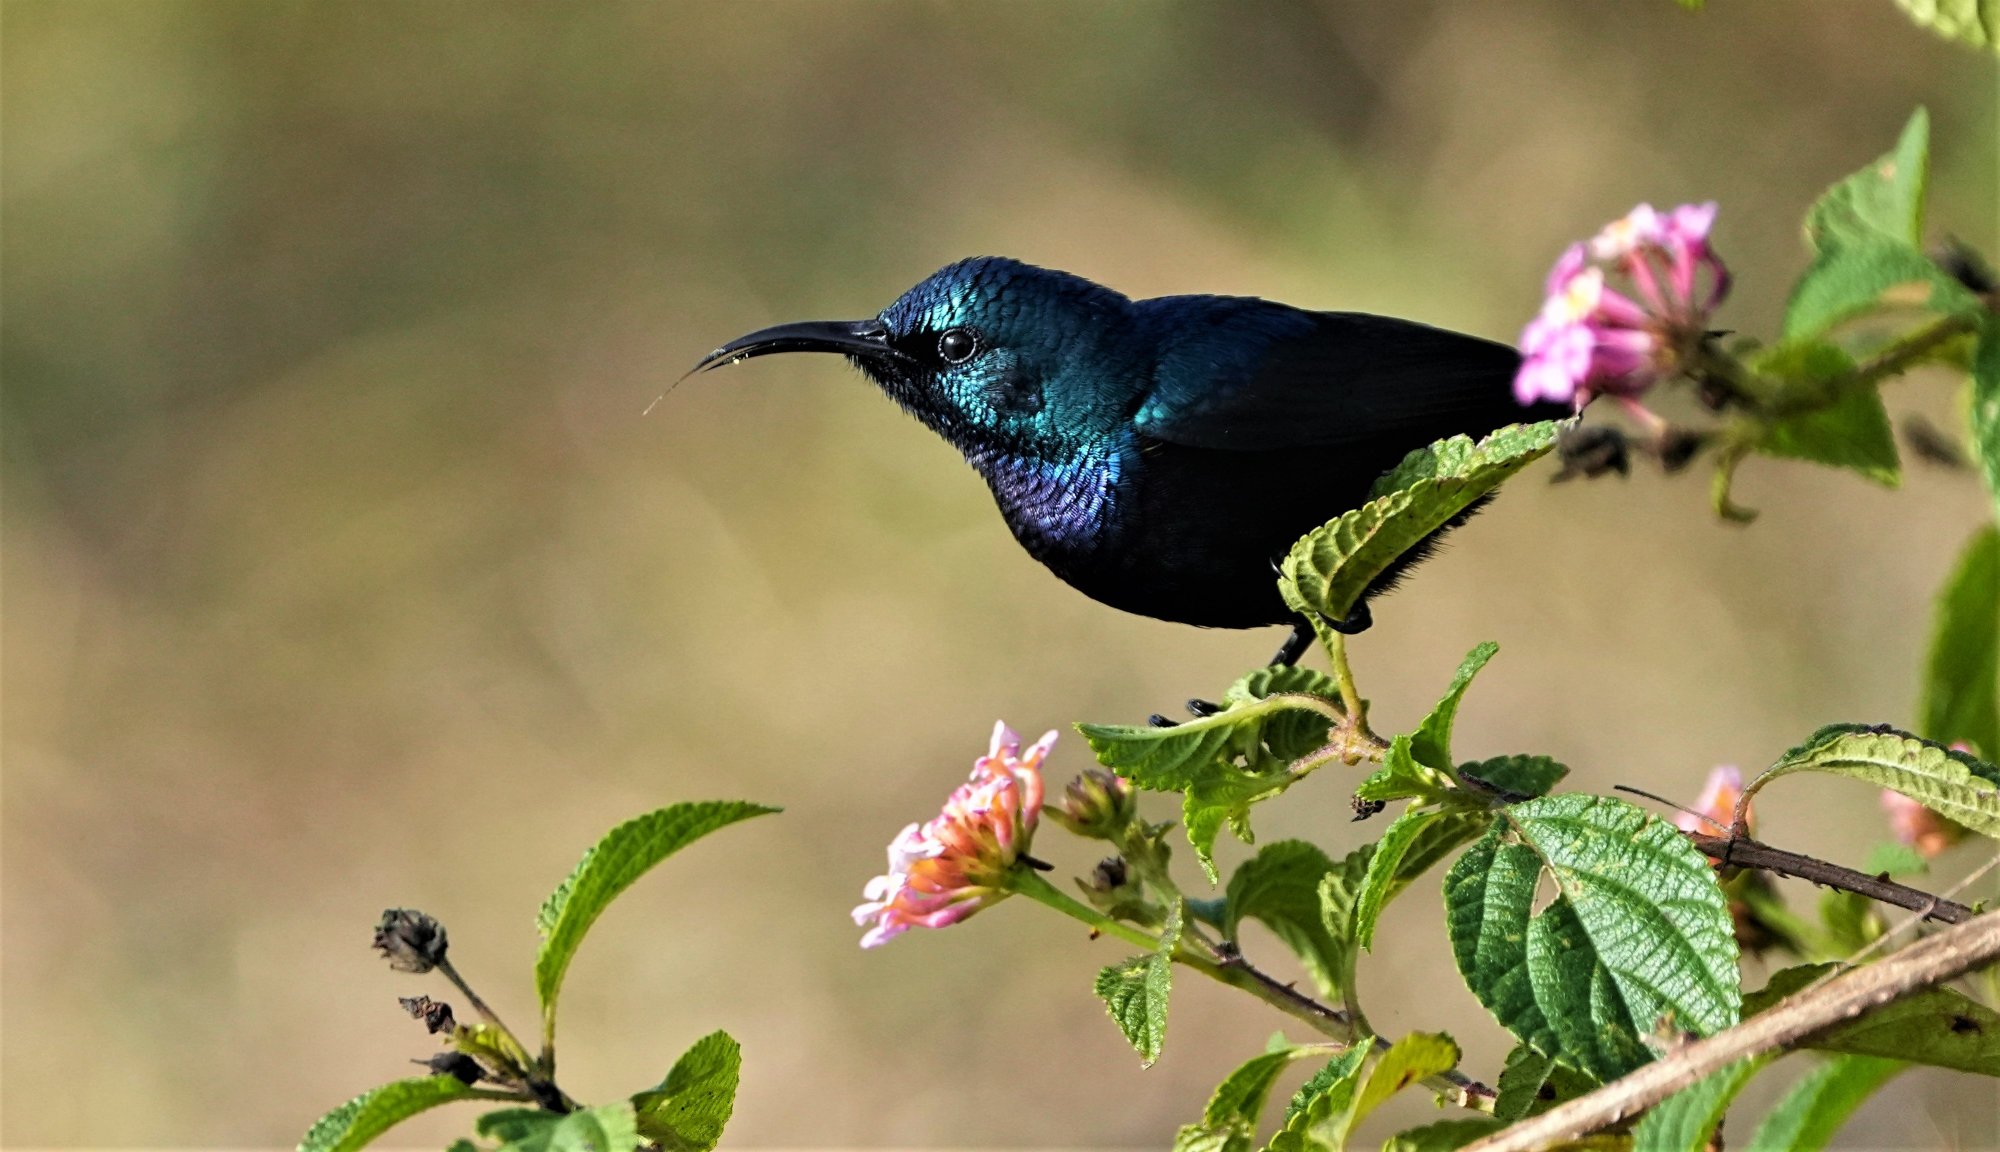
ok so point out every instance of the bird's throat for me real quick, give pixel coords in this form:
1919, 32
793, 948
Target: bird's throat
1056, 507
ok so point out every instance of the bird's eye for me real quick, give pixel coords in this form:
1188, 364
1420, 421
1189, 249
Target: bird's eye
956, 345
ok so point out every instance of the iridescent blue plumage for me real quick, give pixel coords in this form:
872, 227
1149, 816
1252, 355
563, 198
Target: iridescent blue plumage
1160, 455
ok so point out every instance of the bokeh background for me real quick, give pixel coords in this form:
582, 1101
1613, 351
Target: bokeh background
343, 571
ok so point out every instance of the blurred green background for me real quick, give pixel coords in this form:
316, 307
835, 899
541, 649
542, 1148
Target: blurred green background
343, 571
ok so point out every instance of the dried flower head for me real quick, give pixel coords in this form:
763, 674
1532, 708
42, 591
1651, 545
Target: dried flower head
435, 1014
412, 941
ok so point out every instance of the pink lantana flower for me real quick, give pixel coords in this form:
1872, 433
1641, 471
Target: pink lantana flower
946, 869
1715, 811
1917, 826
1592, 339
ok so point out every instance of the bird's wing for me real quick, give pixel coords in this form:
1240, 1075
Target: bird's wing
1243, 374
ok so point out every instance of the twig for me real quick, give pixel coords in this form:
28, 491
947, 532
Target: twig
1924, 964
1230, 968
1894, 930
1741, 852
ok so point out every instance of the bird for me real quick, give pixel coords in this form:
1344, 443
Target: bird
1162, 455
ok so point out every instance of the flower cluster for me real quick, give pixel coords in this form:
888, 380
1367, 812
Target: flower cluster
1592, 339
1714, 812
946, 869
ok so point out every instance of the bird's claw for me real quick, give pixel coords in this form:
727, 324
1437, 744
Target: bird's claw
1197, 708
1357, 620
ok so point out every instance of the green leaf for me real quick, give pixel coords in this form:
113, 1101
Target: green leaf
1894, 859
1639, 932
1952, 784
607, 869
1974, 22
362, 1119
1407, 1062
1320, 1101
515, 1126
1431, 742
1294, 732
1135, 992
1687, 1120
1596, 1029
1851, 432
1454, 829
607, 1128
1821, 1102
1165, 759
688, 1110
1222, 764
1986, 413
1443, 1135
1229, 1123
1222, 794
1883, 200
1938, 1026
1391, 866
1488, 896
1961, 698
1280, 886
1650, 902
1402, 777
1338, 892
1850, 920
1174, 759
1517, 777
1521, 1080
1328, 571
1863, 276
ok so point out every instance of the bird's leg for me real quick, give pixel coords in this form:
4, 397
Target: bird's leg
1295, 645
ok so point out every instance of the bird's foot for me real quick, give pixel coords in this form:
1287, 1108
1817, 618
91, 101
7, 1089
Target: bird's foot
1357, 620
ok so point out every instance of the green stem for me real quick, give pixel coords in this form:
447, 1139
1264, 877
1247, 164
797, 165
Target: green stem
1343, 674
1912, 349
1238, 973
539, 1076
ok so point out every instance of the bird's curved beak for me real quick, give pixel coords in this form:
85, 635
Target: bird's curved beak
868, 339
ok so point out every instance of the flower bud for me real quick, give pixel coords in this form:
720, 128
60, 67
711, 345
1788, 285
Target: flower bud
1114, 890
412, 941
1097, 805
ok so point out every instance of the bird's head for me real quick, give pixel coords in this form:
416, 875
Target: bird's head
991, 353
